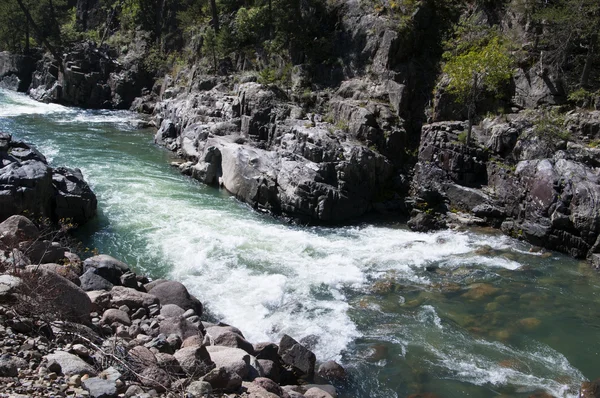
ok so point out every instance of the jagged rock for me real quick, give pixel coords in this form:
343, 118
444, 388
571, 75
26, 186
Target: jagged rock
267, 368
142, 357
179, 326
43, 251
199, 389
268, 385
229, 337
73, 198
168, 363
100, 300
295, 355
172, 292
533, 89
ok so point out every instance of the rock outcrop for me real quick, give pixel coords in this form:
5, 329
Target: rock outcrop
29, 185
16, 71
530, 182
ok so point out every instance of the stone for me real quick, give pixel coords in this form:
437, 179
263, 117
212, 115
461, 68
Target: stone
142, 357
134, 391
316, 392
223, 379
194, 360
172, 292
134, 299
590, 389
100, 300
198, 389
59, 296
10, 364
16, 229
100, 388
297, 356
168, 363
332, 371
107, 267
73, 198
9, 284
232, 359
68, 364
179, 326
267, 368
171, 310
64, 271
223, 337
156, 378
268, 385
91, 281
113, 315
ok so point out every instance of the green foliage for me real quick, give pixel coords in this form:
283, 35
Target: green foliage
582, 97
462, 137
594, 143
549, 124
478, 69
70, 34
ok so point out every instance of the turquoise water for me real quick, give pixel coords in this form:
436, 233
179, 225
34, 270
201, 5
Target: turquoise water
489, 318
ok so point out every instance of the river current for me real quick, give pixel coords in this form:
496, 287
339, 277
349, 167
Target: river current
453, 313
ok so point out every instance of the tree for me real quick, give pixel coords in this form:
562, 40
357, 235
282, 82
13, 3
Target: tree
477, 71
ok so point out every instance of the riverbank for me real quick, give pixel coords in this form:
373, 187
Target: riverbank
97, 329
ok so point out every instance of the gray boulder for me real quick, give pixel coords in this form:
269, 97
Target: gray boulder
107, 267
10, 365
172, 292
16, 229
232, 359
133, 299
100, 388
194, 360
68, 364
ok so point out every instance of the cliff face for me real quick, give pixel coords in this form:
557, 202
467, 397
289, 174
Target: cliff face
337, 125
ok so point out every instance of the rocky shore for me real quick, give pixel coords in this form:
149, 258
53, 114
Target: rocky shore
94, 328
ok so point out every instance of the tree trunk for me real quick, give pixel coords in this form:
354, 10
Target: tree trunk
43, 38
215, 15
54, 23
587, 68
471, 106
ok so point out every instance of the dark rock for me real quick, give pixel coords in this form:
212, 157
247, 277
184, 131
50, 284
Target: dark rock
10, 364
293, 354
113, 315
107, 267
267, 368
156, 378
268, 385
16, 71
332, 371
425, 222
590, 389
91, 281
172, 292
73, 198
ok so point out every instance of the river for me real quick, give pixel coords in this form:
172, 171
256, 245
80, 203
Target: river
453, 313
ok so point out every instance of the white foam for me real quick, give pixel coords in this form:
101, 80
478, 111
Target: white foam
16, 104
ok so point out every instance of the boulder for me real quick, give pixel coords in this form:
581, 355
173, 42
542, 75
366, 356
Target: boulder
223, 379
179, 326
73, 198
53, 294
316, 392
172, 292
16, 229
267, 368
171, 311
91, 281
62, 270
222, 336
68, 364
268, 385
194, 360
10, 365
332, 371
142, 357
168, 363
113, 315
156, 378
590, 389
100, 388
232, 359
300, 359
100, 300
107, 267
132, 298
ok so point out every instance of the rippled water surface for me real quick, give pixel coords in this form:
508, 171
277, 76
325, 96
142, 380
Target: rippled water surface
452, 313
